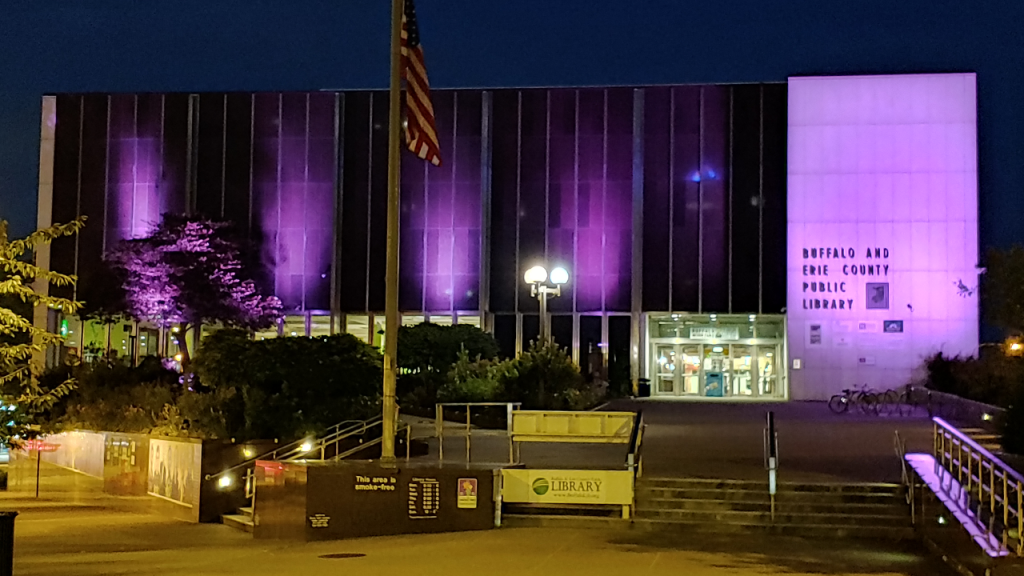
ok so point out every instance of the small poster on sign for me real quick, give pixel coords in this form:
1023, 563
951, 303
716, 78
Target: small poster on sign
467, 492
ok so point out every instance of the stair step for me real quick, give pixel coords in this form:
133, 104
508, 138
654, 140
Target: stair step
246, 511
564, 521
239, 521
763, 504
701, 484
825, 530
781, 517
762, 496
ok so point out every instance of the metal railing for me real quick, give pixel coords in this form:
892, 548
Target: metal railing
334, 434
906, 477
634, 457
439, 425
994, 491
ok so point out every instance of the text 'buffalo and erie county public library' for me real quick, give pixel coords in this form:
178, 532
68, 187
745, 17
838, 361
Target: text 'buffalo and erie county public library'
735, 242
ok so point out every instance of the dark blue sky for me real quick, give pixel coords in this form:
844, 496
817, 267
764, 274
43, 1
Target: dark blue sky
47, 46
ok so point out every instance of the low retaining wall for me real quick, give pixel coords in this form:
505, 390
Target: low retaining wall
166, 474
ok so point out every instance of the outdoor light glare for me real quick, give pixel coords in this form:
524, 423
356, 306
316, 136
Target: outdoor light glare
1015, 346
224, 481
306, 446
986, 417
559, 275
248, 452
178, 357
536, 275
176, 329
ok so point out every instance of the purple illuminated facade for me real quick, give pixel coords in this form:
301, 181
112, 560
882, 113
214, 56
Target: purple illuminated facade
666, 204
883, 226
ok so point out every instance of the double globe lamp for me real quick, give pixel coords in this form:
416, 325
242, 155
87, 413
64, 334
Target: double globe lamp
543, 285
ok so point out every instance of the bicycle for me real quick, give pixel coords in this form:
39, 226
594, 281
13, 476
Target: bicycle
863, 398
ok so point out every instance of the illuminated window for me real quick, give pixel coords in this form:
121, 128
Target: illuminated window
320, 326
358, 326
471, 320
442, 320
413, 320
295, 325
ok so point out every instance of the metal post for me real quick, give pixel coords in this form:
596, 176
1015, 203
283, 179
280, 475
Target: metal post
545, 326
468, 432
771, 441
39, 458
439, 431
508, 429
387, 452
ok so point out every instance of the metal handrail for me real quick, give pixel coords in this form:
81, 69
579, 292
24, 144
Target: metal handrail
906, 478
998, 489
634, 456
439, 425
408, 444
323, 442
293, 446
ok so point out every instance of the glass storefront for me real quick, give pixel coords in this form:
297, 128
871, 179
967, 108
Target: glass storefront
716, 356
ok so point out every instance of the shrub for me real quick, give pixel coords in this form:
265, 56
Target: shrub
545, 377
290, 387
479, 380
427, 353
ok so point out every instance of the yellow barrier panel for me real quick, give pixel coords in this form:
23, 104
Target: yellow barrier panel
567, 486
564, 426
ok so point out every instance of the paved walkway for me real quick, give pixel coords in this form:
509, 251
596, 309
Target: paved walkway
719, 440
59, 539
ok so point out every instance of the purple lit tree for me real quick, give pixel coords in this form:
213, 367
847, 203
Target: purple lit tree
189, 271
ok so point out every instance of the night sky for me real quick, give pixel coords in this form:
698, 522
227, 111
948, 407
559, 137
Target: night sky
249, 45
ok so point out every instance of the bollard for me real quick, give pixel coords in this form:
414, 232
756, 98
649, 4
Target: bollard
7, 543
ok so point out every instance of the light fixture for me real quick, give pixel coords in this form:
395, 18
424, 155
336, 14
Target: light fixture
178, 357
753, 317
536, 275
306, 446
1015, 346
559, 275
224, 481
717, 349
248, 452
176, 329
768, 354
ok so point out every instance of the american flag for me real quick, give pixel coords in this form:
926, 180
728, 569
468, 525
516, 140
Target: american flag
420, 130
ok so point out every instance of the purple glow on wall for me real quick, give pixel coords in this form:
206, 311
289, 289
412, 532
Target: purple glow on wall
293, 189
142, 175
882, 205
441, 213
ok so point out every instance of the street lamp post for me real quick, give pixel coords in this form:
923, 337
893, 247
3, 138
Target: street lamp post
541, 286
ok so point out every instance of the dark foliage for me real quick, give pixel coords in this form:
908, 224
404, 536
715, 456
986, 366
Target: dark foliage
291, 387
427, 352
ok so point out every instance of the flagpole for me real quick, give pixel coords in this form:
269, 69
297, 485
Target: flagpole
390, 407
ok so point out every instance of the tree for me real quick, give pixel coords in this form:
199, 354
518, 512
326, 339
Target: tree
426, 353
293, 386
20, 340
1003, 288
190, 272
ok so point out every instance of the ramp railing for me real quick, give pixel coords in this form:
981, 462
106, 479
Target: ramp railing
994, 491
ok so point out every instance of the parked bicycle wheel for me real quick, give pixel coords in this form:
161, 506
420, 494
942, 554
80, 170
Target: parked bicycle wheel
889, 403
868, 403
839, 404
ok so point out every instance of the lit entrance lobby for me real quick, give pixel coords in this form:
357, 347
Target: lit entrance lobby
717, 356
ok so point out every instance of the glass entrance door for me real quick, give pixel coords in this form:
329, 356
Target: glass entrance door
665, 381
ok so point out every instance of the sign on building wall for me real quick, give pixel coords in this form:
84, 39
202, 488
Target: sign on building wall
882, 213
714, 332
567, 486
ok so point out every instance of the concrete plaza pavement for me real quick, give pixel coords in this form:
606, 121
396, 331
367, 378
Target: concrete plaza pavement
56, 538
719, 440
702, 439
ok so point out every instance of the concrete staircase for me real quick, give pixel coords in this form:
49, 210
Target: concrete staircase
242, 520
816, 510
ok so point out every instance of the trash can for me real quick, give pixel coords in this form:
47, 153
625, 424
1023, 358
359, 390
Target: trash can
7, 543
643, 388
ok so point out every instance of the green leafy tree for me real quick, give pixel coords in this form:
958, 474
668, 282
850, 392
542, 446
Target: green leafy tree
478, 380
20, 340
1002, 288
291, 387
427, 352
545, 377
